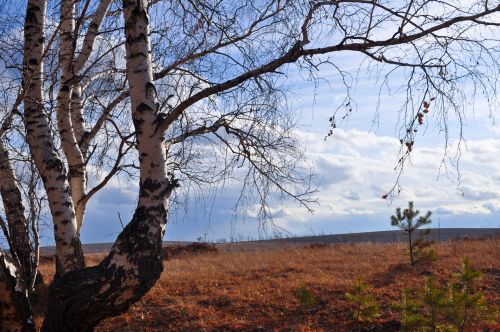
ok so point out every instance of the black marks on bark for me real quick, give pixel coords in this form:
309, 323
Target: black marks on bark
149, 186
142, 156
151, 268
31, 16
159, 189
143, 108
132, 40
150, 90
54, 164
138, 18
59, 267
79, 258
99, 291
138, 126
137, 118
172, 181
76, 171
74, 262
135, 239
141, 12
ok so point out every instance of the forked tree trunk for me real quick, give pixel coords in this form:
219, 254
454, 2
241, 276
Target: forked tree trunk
79, 300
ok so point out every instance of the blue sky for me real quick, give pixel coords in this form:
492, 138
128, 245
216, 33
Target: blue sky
354, 168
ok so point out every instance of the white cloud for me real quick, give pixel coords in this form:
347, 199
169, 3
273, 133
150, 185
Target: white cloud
356, 168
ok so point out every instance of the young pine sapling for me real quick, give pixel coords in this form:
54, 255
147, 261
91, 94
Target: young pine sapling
409, 221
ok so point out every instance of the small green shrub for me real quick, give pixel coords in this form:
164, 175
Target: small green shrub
425, 310
365, 305
422, 252
467, 304
306, 298
457, 307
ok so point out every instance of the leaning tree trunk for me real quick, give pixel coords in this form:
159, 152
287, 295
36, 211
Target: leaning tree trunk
79, 300
16, 219
16, 274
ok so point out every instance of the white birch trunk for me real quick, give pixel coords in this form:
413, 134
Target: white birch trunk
155, 187
64, 112
40, 140
77, 117
69, 110
78, 180
92, 32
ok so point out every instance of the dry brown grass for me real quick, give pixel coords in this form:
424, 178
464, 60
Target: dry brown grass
256, 291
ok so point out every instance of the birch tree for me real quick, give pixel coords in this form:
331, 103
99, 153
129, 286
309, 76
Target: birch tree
203, 85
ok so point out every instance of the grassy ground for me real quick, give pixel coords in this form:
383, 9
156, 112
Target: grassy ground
258, 291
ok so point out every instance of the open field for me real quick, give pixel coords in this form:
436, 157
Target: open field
437, 235
257, 291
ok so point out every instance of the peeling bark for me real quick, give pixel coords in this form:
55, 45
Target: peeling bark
15, 311
41, 144
93, 294
16, 219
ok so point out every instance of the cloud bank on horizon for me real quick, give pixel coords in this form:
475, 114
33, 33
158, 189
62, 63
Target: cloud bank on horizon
355, 168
